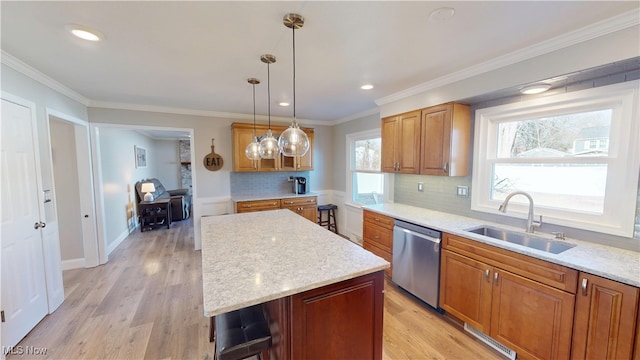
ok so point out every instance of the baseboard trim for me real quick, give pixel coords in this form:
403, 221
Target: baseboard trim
114, 244
71, 264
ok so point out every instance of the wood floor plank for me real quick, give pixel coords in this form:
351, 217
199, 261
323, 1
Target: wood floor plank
146, 303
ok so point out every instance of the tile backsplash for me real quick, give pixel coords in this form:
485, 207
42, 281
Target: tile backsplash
260, 183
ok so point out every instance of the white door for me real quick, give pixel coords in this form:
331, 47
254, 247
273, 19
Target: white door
24, 291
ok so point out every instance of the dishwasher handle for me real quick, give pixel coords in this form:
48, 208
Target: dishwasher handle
432, 239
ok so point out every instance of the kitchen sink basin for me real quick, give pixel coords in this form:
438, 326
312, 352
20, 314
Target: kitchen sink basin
524, 239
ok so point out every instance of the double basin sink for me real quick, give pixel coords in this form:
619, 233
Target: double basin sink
524, 239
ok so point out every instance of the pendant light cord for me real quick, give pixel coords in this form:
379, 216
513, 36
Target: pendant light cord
269, 93
254, 110
293, 28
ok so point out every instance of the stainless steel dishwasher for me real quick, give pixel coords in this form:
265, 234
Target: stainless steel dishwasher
416, 261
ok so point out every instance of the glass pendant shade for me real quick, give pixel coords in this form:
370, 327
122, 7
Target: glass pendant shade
269, 146
252, 150
293, 141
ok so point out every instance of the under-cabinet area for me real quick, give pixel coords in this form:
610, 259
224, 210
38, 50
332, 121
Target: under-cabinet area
532, 305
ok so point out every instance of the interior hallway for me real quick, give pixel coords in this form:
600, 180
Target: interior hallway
146, 303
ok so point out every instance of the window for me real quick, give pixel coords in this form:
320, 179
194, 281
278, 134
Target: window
576, 154
365, 179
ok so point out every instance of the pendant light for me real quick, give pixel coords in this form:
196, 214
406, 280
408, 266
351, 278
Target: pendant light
253, 149
269, 144
293, 141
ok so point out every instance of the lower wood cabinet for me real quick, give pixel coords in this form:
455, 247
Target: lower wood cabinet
306, 206
377, 236
605, 319
528, 316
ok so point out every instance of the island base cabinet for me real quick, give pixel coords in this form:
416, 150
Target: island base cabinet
605, 321
337, 321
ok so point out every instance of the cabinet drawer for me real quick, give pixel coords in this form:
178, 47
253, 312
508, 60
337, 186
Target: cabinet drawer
300, 201
379, 236
558, 276
380, 252
258, 205
378, 219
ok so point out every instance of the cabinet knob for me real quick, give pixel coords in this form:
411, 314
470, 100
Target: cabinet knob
445, 166
495, 277
486, 274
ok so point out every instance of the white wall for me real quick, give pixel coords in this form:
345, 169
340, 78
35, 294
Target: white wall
167, 163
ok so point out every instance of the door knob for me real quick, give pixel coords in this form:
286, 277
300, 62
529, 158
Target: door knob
39, 225
86, 216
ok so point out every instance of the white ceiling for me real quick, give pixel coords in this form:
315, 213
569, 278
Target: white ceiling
198, 55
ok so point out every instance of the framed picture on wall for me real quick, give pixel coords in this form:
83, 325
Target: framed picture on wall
141, 156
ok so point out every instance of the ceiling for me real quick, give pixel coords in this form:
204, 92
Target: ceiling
198, 55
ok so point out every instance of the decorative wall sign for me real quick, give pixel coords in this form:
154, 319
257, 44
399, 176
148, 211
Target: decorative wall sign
213, 161
141, 156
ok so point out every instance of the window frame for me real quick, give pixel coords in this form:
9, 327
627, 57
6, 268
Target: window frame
618, 215
350, 168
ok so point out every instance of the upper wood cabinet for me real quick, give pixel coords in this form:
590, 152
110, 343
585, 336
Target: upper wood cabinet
431, 141
605, 319
243, 135
446, 131
401, 143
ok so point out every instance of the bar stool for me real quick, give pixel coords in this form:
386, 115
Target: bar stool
241, 334
330, 222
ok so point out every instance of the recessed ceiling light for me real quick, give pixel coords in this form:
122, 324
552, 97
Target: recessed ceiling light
366, 87
85, 33
535, 88
283, 103
441, 14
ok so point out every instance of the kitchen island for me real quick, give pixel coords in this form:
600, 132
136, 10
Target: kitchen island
323, 294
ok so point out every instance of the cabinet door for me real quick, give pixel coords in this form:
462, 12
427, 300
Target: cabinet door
388, 136
465, 289
241, 138
408, 140
436, 140
533, 319
605, 321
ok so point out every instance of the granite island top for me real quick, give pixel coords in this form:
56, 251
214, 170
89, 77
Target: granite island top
606, 261
255, 257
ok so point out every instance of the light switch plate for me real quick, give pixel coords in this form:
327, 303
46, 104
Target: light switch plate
463, 191
420, 186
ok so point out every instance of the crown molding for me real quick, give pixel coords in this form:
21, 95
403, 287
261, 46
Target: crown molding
601, 28
21, 67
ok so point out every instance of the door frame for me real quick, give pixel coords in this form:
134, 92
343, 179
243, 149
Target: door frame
97, 176
86, 183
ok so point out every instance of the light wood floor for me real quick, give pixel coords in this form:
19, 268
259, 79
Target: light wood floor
146, 303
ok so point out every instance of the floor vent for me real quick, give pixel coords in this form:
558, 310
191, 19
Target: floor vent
489, 341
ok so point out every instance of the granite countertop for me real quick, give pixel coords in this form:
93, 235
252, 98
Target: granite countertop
255, 257
254, 197
606, 261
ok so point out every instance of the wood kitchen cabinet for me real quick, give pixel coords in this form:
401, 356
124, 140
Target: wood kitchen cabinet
401, 143
605, 319
445, 140
377, 236
307, 207
524, 303
257, 205
243, 135
299, 163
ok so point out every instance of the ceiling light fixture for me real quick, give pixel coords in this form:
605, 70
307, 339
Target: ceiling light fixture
366, 87
535, 88
283, 103
293, 141
269, 144
442, 14
253, 149
85, 33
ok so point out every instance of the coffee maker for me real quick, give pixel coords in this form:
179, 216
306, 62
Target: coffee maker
299, 185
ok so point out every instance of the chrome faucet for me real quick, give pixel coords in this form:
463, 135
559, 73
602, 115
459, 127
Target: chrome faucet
531, 224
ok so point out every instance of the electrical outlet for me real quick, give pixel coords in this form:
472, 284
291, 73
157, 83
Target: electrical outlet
463, 191
420, 186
